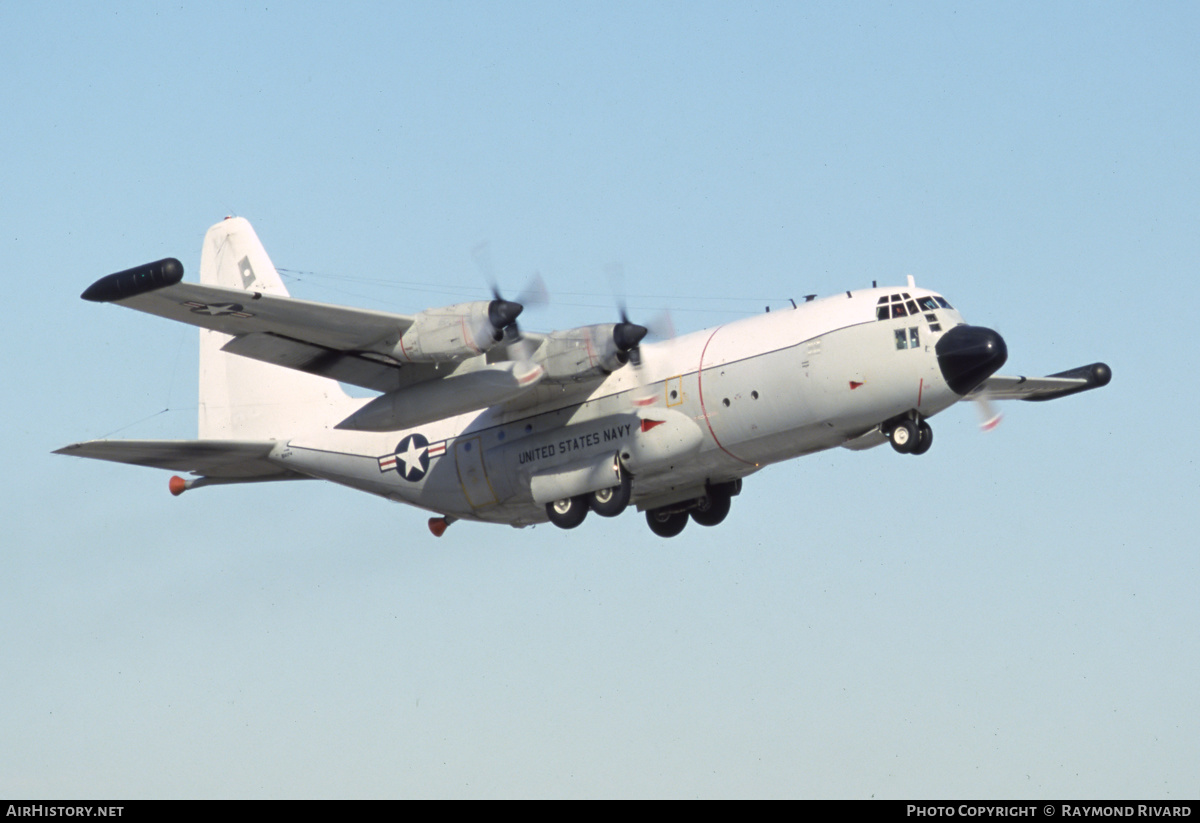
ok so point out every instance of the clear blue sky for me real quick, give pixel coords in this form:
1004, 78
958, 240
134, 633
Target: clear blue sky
1011, 615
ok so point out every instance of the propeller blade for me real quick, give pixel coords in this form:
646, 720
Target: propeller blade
661, 326
989, 418
534, 294
482, 253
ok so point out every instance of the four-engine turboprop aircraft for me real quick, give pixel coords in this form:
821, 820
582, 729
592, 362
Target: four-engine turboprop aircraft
477, 420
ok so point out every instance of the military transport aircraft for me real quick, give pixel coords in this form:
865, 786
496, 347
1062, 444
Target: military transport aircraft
479, 420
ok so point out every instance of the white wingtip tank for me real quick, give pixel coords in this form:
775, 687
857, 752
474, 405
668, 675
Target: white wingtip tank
241, 398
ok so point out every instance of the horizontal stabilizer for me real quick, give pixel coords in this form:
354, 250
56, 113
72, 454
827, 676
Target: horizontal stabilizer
226, 459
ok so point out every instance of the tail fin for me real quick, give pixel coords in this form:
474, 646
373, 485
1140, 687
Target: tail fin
246, 399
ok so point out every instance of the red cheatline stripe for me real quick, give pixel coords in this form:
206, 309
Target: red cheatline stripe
703, 410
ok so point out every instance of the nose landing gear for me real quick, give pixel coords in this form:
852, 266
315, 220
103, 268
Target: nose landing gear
909, 436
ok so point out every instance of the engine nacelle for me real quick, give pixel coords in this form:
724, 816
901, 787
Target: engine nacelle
455, 333
587, 351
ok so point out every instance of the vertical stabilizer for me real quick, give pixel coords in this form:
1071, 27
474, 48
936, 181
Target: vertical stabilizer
241, 398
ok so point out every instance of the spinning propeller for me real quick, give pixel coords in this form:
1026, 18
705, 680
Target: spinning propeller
989, 418
628, 336
502, 313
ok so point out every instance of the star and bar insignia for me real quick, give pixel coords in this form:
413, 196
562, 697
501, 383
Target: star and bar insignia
412, 456
217, 309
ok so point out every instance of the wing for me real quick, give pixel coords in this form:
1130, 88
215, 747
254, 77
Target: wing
1052, 387
346, 344
232, 460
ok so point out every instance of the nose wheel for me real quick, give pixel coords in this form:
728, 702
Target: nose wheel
924, 438
910, 437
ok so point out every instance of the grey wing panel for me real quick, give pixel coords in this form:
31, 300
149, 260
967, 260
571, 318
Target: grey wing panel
368, 369
346, 344
237, 312
1052, 387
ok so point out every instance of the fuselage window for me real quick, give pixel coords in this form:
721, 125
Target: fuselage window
927, 303
942, 302
909, 338
898, 310
881, 313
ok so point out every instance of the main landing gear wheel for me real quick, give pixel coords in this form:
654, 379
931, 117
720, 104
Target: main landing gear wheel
713, 507
568, 512
904, 436
666, 523
612, 501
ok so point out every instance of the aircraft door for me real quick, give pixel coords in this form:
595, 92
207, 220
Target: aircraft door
468, 455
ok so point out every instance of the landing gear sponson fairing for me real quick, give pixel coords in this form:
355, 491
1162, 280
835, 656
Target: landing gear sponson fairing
476, 420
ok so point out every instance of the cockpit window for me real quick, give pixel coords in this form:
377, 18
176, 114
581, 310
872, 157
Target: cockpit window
892, 306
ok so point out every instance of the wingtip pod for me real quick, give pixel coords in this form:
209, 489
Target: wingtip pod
135, 281
1098, 374
177, 485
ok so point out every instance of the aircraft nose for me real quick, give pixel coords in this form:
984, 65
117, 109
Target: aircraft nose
968, 355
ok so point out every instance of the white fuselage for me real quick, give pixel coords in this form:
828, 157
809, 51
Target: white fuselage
726, 402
